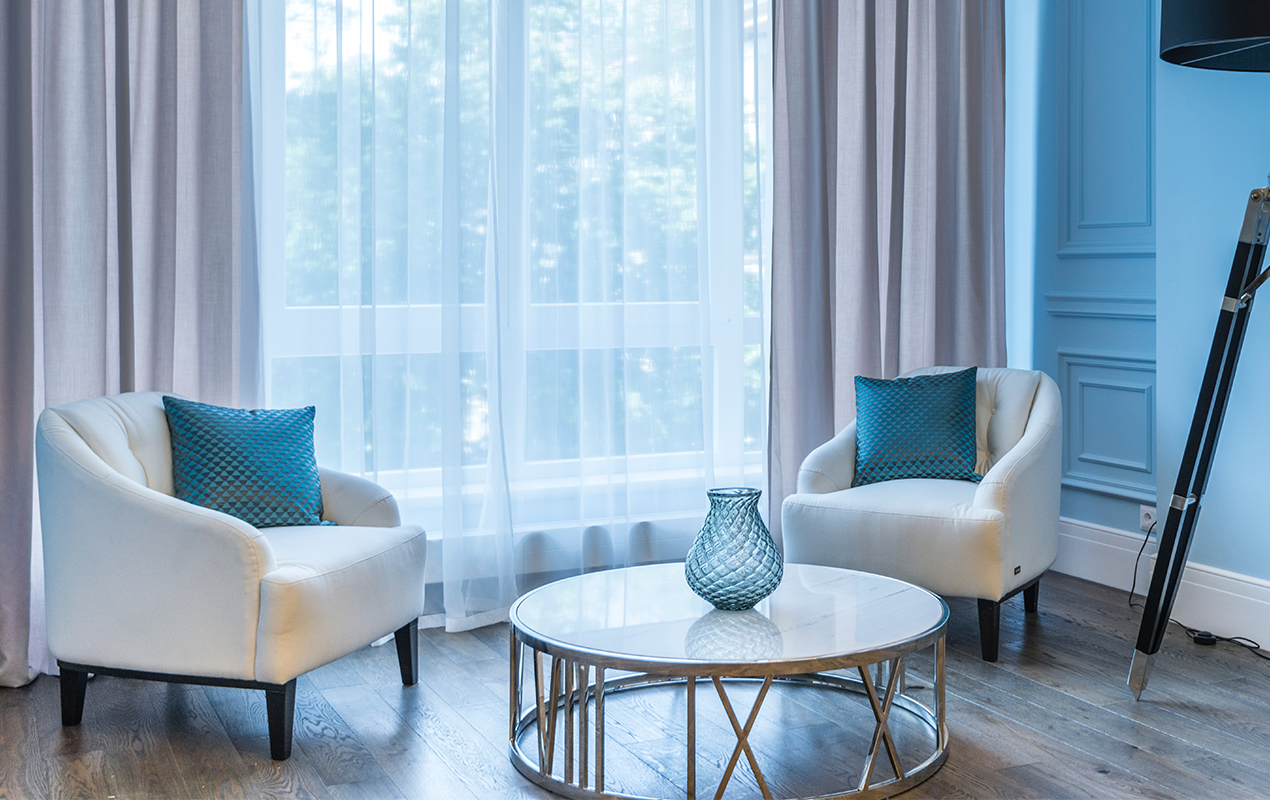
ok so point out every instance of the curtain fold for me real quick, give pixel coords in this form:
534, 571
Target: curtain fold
521, 270
17, 340
888, 238
140, 276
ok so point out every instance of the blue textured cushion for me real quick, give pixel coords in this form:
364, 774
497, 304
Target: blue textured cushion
257, 465
919, 427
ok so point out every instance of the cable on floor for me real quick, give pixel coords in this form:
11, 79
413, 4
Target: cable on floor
1191, 633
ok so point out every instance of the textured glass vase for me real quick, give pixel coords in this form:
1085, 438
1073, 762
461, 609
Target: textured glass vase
734, 563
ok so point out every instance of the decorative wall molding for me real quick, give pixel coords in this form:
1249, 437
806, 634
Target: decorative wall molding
1080, 234
1146, 462
1123, 467
1098, 305
1226, 603
1111, 488
1070, 249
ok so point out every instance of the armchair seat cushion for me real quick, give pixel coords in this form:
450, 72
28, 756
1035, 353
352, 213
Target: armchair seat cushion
335, 589
921, 530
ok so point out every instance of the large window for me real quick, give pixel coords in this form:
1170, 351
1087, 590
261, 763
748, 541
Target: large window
524, 237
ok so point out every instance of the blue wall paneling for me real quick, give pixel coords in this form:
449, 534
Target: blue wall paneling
1094, 261
1109, 429
1105, 158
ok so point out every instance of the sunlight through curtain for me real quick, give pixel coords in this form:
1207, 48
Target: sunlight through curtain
516, 253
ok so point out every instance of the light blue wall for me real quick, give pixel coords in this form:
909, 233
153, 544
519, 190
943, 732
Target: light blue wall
1087, 68
1024, 54
1213, 148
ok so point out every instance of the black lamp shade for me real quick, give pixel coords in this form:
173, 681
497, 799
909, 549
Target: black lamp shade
1231, 35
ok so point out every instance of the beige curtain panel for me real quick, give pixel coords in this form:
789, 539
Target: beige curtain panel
889, 192
129, 257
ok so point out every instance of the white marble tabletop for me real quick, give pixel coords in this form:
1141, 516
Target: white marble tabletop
650, 613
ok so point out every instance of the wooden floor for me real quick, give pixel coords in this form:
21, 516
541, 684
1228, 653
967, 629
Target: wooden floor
1052, 718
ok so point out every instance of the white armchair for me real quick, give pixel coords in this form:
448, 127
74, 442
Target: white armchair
140, 584
989, 540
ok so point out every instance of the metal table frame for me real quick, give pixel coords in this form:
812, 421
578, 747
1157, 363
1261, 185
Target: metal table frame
565, 689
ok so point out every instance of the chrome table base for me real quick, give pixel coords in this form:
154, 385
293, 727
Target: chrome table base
566, 691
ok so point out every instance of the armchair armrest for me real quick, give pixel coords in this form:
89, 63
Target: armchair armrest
830, 467
350, 500
136, 579
1025, 486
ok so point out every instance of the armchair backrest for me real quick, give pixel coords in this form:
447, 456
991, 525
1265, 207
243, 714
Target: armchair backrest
127, 431
1003, 399
135, 578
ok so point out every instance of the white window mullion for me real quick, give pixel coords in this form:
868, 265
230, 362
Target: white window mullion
272, 210
451, 330
720, 112
510, 143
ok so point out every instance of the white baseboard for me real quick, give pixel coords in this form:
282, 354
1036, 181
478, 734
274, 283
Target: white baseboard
1101, 554
1226, 603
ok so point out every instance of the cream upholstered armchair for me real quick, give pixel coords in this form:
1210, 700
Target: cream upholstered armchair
988, 540
140, 584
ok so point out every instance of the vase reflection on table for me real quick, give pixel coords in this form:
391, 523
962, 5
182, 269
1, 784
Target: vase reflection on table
734, 563
734, 636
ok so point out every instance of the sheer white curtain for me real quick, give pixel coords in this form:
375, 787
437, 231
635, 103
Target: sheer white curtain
515, 254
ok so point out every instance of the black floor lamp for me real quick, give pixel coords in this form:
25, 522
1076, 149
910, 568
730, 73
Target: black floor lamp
1225, 35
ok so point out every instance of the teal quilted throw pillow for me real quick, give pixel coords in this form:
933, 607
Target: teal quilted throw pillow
919, 427
257, 465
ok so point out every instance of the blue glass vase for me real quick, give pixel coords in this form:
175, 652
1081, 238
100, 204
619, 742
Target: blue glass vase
734, 563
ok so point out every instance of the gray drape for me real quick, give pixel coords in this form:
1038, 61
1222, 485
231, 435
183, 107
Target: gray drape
17, 346
888, 240
129, 253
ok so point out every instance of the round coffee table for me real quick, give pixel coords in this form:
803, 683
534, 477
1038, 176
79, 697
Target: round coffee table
645, 620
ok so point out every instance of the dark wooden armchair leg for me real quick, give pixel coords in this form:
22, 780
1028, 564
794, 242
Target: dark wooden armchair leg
407, 637
1031, 595
989, 628
280, 707
74, 684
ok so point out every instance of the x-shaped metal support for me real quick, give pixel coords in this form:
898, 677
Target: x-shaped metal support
882, 713
743, 738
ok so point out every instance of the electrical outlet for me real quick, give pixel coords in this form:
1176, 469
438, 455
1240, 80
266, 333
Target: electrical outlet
1146, 517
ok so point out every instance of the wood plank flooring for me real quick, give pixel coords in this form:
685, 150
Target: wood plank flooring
1051, 719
